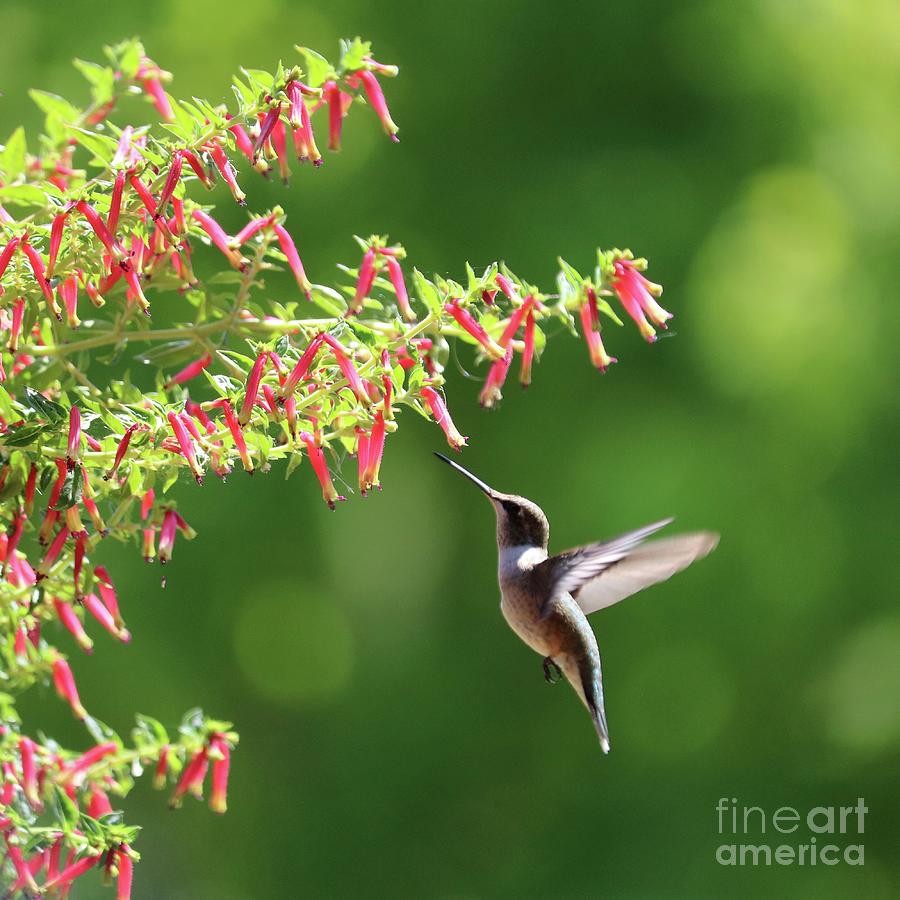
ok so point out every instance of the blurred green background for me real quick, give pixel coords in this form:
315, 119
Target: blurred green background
397, 739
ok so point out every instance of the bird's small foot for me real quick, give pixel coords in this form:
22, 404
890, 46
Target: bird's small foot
552, 672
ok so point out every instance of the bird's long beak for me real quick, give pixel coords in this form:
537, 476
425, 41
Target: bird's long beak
487, 490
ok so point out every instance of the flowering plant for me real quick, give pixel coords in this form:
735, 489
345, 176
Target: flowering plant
101, 226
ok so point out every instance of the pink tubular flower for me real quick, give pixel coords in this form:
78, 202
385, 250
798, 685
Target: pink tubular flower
73, 624
190, 371
171, 182
226, 170
528, 352
135, 290
56, 234
29, 772
71, 872
191, 777
7, 254
590, 325
220, 240
37, 268
279, 145
77, 768
399, 284
308, 138
265, 129
336, 111
218, 798
376, 98
121, 450
186, 445
167, 536
126, 870
362, 458
293, 257
115, 203
74, 446
18, 862
197, 167
375, 452
68, 291
162, 768
93, 605
15, 328
438, 409
300, 370
320, 467
98, 804
234, 426
252, 389
195, 410
468, 323
151, 79
492, 390
364, 281
254, 226
348, 370
637, 296
242, 140
113, 247
52, 554
108, 594
64, 682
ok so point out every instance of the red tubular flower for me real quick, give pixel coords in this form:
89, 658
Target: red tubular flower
162, 768
590, 326
18, 862
300, 370
56, 234
98, 802
191, 777
7, 254
30, 487
191, 159
251, 228
364, 281
332, 94
234, 426
379, 104
135, 290
492, 390
68, 291
167, 536
78, 767
121, 450
637, 296
148, 536
29, 772
64, 683
115, 203
15, 328
190, 371
242, 140
147, 503
150, 77
468, 323
279, 145
376, 451
265, 129
219, 238
108, 594
52, 553
37, 268
348, 370
293, 257
13, 540
72, 624
528, 352
218, 798
91, 506
252, 389
186, 445
226, 169
399, 284
195, 410
93, 605
126, 870
113, 247
309, 139
362, 457
320, 467
71, 872
170, 184
438, 409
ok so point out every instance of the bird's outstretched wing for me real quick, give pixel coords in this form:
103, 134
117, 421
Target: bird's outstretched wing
599, 575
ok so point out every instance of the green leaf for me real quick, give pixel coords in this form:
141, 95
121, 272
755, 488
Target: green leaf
55, 106
43, 407
353, 53
12, 157
103, 148
26, 194
23, 436
318, 69
72, 489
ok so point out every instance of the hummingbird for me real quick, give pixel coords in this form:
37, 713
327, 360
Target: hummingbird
546, 599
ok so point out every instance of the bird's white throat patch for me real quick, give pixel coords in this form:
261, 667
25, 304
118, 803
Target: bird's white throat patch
520, 558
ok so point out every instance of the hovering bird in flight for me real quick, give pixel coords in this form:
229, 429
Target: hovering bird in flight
546, 599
